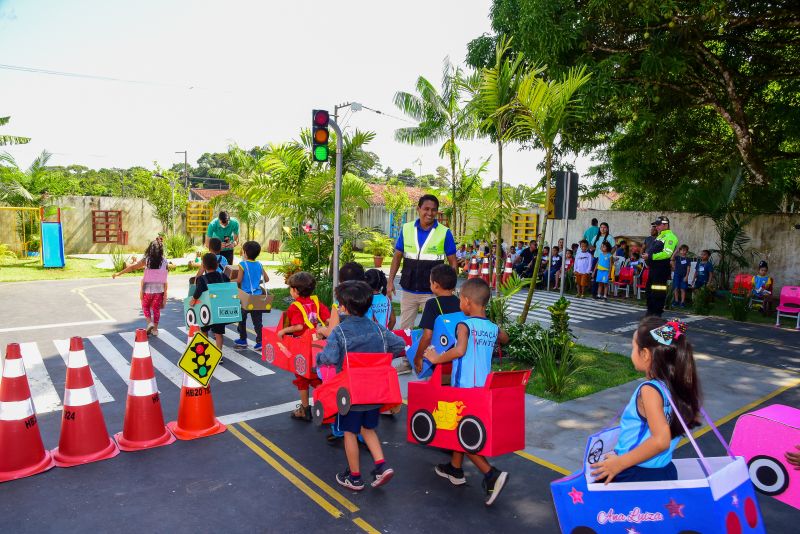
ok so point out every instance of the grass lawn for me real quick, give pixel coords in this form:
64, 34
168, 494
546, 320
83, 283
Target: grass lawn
31, 269
603, 370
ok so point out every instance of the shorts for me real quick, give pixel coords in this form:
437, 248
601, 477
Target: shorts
699, 283
304, 383
216, 328
678, 282
647, 474
354, 421
583, 279
602, 277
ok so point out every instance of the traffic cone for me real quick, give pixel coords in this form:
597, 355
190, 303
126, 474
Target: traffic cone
195, 409
485, 270
473, 269
23, 451
84, 437
507, 271
144, 421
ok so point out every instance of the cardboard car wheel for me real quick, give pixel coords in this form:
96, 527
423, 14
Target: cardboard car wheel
769, 476
471, 434
583, 530
205, 315
317, 414
269, 353
343, 401
300, 364
423, 427
191, 317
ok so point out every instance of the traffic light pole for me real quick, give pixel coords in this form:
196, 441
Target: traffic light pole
337, 202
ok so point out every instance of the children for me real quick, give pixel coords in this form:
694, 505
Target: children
636, 262
649, 429
583, 268
305, 313
381, 310
215, 247
569, 261
153, 289
555, 266
252, 272
211, 275
602, 271
762, 282
680, 277
472, 363
443, 283
359, 334
349, 271
704, 273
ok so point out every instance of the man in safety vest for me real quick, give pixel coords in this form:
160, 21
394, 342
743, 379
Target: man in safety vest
658, 256
422, 245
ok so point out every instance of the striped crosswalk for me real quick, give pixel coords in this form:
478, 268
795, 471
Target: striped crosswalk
116, 350
579, 310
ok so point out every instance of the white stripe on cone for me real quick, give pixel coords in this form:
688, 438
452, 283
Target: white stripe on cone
80, 397
16, 410
189, 382
14, 368
142, 388
77, 359
141, 349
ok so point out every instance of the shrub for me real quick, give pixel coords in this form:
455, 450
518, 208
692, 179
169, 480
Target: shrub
558, 364
524, 341
118, 258
176, 245
559, 320
737, 304
6, 254
702, 300
324, 290
497, 308
379, 245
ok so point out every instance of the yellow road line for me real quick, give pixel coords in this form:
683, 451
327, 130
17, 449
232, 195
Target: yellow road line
740, 411
291, 477
338, 497
366, 527
543, 462
93, 306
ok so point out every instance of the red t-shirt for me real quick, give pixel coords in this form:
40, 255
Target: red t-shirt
296, 317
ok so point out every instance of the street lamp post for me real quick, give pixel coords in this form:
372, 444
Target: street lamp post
172, 206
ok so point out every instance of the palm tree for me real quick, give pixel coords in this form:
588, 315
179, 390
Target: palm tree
11, 139
441, 116
493, 89
540, 111
15, 183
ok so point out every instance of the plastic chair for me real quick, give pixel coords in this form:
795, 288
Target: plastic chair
742, 286
789, 305
642, 284
625, 280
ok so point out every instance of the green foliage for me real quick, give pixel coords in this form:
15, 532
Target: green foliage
557, 364
497, 307
118, 258
702, 300
737, 304
346, 254
166, 193
379, 245
396, 199
177, 245
559, 320
11, 139
313, 250
324, 290
524, 341
6, 254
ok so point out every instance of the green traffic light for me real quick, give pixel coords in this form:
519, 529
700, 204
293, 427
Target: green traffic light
321, 153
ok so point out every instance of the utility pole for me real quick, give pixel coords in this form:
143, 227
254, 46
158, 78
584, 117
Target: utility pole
337, 201
185, 167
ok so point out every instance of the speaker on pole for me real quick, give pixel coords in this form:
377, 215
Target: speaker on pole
566, 195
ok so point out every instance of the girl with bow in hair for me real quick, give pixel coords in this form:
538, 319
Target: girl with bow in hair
649, 430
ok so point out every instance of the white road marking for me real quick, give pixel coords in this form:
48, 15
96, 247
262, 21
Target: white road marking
259, 412
62, 346
220, 373
237, 358
54, 325
167, 368
45, 397
110, 353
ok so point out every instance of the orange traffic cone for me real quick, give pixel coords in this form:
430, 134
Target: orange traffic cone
195, 409
23, 452
473, 269
144, 421
84, 437
507, 271
485, 270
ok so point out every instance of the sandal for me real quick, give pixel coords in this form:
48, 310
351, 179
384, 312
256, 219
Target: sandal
302, 413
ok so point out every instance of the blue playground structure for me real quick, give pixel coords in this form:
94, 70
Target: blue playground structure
52, 238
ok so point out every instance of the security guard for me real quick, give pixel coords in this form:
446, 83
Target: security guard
422, 245
658, 256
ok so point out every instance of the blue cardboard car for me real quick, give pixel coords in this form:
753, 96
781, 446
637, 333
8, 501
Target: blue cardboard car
444, 337
219, 305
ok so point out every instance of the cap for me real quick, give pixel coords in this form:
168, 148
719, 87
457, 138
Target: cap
660, 220
763, 264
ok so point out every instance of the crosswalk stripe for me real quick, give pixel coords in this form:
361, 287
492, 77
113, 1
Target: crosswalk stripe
62, 346
45, 397
542, 310
239, 359
167, 368
220, 373
590, 308
110, 354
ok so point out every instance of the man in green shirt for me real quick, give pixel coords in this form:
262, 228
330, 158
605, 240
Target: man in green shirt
658, 256
226, 229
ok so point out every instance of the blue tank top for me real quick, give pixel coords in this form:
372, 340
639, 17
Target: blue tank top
222, 262
380, 310
604, 261
251, 277
634, 429
471, 370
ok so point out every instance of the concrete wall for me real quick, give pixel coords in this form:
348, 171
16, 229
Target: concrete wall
772, 237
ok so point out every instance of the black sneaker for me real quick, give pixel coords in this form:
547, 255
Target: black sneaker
381, 475
302, 413
453, 474
346, 479
493, 485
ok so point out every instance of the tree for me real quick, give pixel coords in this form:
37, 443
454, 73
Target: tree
441, 116
15, 183
660, 66
408, 177
493, 89
166, 193
245, 169
540, 111
11, 139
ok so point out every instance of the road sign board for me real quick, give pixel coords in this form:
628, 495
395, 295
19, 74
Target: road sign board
200, 358
551, 203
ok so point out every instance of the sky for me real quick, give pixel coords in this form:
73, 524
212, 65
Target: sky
202, 75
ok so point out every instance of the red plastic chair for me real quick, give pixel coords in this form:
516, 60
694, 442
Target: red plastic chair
742, 286
789, 305
642, 284
625, 280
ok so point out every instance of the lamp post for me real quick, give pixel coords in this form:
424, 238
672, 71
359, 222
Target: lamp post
172, 207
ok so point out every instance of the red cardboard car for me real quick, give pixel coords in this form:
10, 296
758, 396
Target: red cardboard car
366, 378
294, 354
489, 420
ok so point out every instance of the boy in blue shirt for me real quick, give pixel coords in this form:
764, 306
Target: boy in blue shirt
357, 333
252, 272
680, 268
472, 363
704, 273
215, 247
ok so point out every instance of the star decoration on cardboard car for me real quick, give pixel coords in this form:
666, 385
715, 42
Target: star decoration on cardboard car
675, 509
200, 358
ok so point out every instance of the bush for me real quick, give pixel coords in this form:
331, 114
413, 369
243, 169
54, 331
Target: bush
118, 259
6, 254
702, 300
176, 245
379, 245
737, 304
524, 341
324, 291
558, 364
559, 320
497, 307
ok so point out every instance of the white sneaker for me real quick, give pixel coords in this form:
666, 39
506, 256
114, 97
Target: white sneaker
401, 365
149, 328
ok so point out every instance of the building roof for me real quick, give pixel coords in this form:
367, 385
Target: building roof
414, 194
206, 194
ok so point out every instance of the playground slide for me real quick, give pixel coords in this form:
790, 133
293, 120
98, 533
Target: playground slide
52, 245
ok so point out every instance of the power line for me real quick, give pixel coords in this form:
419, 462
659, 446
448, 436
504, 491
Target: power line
35, 70
379, 112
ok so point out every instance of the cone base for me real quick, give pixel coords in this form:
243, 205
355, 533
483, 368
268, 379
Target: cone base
183, 434
45, 464
129, 445
65, 460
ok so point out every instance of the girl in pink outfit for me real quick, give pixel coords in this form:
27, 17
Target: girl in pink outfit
153, 291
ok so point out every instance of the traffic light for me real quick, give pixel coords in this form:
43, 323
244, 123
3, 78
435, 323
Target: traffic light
319, 135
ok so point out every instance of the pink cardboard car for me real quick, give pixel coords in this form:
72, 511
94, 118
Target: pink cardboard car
763, 437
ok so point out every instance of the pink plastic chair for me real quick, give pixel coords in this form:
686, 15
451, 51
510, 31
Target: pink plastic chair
789, 305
